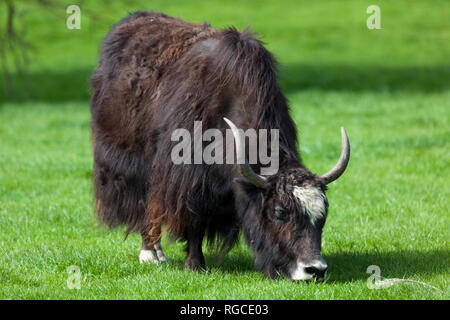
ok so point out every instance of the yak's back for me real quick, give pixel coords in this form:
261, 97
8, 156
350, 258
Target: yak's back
134, 56
138, 49
142, 45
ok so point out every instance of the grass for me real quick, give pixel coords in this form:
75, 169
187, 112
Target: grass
390, 88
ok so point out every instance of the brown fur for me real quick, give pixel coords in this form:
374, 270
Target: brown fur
157, 74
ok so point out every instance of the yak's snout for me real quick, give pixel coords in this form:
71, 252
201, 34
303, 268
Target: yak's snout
317, 269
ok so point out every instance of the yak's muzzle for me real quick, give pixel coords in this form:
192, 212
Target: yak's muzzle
317, 269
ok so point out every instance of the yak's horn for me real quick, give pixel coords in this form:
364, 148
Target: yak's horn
341, 165
244, 168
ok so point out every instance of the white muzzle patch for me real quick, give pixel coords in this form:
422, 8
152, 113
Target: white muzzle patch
313, 200
301, 271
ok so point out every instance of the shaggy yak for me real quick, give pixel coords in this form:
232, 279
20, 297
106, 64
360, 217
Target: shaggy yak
157, 74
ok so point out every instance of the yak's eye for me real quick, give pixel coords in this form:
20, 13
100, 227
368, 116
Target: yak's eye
280, 213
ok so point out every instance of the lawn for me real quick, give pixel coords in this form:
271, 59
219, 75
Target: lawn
390, 88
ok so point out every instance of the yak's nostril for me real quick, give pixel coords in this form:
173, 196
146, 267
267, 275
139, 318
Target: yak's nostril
311, 270
317, 272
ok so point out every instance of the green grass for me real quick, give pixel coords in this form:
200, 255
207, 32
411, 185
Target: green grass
390, 88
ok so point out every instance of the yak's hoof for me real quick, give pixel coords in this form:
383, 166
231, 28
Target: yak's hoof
153, 256
195, 265
160, 254
148, 256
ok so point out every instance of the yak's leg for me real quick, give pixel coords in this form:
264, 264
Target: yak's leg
148, 252
159, 253
151, 253
195, 259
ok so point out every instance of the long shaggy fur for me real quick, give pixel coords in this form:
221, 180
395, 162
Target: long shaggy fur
157, 74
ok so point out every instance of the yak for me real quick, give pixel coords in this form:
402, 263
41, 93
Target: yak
157, 74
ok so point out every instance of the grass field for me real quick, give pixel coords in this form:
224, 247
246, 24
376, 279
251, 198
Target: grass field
390, 88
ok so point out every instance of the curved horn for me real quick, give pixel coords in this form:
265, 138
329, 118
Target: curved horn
244, 168
342, 163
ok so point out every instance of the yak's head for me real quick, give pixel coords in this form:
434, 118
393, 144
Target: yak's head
283, 215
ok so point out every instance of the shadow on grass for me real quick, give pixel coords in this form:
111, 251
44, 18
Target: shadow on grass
49, 86
351, 266
365, 78
69, 85
234, 262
